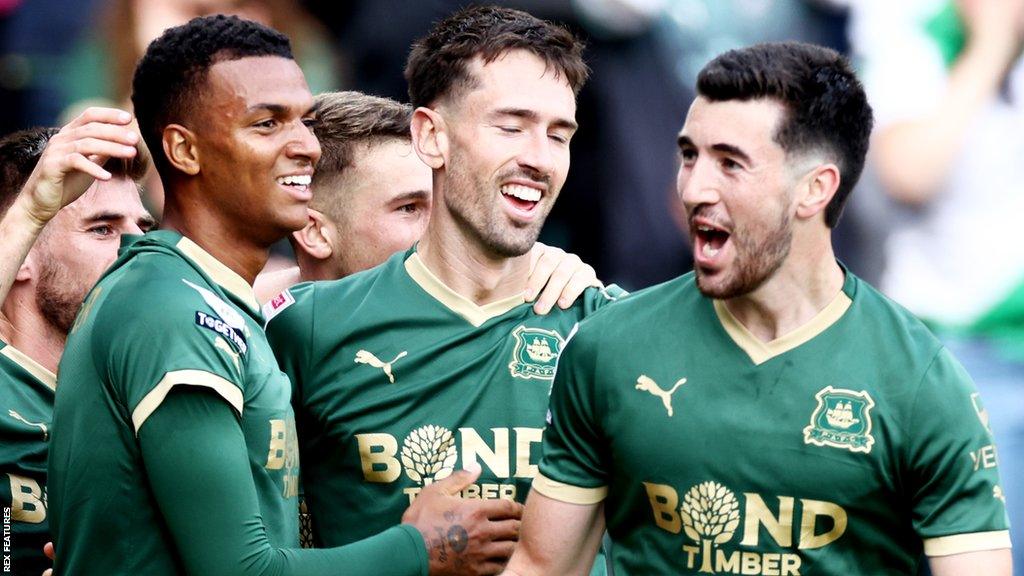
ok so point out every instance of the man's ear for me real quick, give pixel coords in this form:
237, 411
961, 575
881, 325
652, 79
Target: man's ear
180, 148
817, 189
318, 237
430, 137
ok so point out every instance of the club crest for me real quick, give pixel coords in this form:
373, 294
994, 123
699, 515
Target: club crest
535, 354
842, 419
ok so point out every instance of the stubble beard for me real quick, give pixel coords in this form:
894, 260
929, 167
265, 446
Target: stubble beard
756, 261
59, 296
476, 212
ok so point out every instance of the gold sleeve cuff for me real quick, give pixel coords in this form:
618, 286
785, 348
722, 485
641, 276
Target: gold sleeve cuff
567, 493
960, 543
230, 392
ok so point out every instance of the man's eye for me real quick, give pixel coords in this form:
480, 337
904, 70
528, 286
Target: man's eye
310, 123
409, 208
269, 123
103, 230
509, 129
559, 138
688, 154
730, 164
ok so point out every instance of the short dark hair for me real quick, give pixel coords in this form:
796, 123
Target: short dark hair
438, 64
20, 152
170, 76
826, 107
345, 119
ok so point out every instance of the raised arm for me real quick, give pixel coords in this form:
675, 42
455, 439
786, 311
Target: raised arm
72, 161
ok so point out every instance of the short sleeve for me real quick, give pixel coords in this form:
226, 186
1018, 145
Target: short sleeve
181, 335
598, 298
572, 468
958, 503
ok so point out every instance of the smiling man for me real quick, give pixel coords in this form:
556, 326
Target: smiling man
173, 447
434, 360
769, 413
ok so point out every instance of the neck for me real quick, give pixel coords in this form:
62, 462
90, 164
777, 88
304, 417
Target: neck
467, 267
25, 328
233, 248
801, 288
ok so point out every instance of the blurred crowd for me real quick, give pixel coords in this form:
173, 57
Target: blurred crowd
934, 223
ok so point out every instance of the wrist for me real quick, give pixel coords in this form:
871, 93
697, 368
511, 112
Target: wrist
25, 214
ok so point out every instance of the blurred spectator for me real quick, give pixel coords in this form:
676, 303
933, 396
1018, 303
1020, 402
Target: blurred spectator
947, 83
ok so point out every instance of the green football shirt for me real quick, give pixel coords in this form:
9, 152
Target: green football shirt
399, 381
846, 447
166, 314
26, 408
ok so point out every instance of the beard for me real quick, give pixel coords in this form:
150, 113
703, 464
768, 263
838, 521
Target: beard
479, 213
759, 253
59, 296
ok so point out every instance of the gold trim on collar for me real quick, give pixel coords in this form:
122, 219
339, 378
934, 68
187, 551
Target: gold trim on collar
221, 274
457, 303
760, 352
31, 366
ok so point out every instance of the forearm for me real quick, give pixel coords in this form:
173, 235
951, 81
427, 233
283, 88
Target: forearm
557, 538
913, 157
19, 229
212, 512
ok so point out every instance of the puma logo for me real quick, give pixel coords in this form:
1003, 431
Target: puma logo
222, 345
364, 357
646, 384
40, 425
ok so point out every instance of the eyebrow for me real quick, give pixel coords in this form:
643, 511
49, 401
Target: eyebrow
278, 109
144, 220
413, 195
685, 142
533, 116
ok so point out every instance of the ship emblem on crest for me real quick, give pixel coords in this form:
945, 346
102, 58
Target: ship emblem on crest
842, 419
536, 353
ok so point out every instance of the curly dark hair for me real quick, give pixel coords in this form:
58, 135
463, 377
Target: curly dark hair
438, 64
170, 76
827, 109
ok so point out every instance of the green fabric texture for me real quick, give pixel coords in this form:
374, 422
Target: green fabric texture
26, 409
838, 456
225, 535
395, 390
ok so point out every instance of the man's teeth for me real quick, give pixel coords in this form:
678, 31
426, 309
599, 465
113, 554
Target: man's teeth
298, 180
522, 192
709, 251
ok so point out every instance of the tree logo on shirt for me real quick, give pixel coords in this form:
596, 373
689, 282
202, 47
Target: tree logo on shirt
710, 515
429, 454
842, 419
536, 353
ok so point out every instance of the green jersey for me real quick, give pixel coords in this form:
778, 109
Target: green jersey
166, 314
847, 447
399, 381
26, 408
